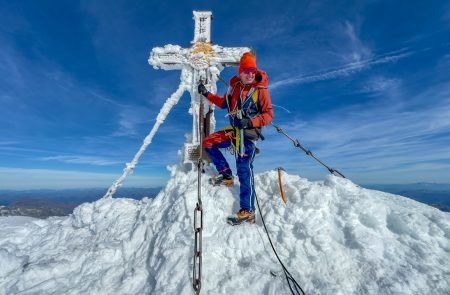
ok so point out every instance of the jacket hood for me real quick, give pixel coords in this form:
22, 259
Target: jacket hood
261, 80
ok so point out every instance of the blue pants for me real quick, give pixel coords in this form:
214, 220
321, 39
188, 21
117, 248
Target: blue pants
244, 165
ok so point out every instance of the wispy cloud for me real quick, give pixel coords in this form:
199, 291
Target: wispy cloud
8, 143
356, 50
367, 140
380, 84
14, 178
447, 58
343, 71
8, 65
90, 160
130, 119
104, 98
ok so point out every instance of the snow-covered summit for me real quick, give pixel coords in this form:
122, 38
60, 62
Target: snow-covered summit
334, 236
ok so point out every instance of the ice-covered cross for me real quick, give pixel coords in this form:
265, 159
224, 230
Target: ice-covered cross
202, 62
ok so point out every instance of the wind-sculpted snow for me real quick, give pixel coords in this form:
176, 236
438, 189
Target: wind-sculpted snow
333, 236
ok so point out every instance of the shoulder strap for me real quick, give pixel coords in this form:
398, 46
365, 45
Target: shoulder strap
228, 96
255, 98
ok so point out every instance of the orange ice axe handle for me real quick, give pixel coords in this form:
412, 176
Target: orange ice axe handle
283, 195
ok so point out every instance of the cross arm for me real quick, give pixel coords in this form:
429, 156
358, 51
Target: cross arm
169, 57
228, 56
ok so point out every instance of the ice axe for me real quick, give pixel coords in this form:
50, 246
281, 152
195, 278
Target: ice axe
283, 195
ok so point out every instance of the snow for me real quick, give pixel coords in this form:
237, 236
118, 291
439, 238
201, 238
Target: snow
12, 222
334, 237
202, 31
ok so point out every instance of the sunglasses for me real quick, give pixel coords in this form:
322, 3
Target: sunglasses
249, 70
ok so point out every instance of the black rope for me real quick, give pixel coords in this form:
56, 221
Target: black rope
292, 283
308, 152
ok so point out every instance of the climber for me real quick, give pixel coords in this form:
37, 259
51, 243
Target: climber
249, 108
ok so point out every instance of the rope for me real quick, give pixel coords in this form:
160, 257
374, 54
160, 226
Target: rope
292, 283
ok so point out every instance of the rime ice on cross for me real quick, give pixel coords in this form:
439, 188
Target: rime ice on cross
203, 61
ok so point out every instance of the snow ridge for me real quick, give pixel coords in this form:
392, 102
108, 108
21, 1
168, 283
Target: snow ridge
334, 237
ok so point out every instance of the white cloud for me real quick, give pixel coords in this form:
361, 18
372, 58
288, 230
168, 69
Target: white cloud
19, 178
104, 98
372, 142
7, 143
81, 160
381, 84
356, 50
343, 71
130, 119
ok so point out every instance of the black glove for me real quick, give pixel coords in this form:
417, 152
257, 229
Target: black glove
258, 77
244, 123
202, 90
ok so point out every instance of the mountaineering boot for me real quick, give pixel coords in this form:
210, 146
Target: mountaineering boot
222, 179
241, 216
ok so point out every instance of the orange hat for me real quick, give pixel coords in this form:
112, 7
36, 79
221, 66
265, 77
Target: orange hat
248, 60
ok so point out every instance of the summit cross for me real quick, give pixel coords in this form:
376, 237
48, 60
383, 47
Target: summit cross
202, 63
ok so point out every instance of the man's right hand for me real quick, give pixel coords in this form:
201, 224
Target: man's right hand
202, 90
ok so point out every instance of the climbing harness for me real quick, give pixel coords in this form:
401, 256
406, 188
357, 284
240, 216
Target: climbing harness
198, 211
308, 152
241, 110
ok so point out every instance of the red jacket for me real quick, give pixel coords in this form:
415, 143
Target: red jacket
264, 114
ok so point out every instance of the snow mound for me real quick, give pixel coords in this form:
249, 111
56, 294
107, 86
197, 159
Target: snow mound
334, 237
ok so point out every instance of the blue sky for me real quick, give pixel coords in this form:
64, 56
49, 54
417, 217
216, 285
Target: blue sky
364, 84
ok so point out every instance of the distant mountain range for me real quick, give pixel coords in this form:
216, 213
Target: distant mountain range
412, 186
434, 194
45, 203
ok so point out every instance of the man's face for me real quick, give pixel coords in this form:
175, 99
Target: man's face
247, 76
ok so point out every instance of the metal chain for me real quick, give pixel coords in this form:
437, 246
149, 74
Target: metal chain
198, 228
308, 152
198, 211
197, 270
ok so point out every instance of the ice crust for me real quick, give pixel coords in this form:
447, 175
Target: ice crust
334, 236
